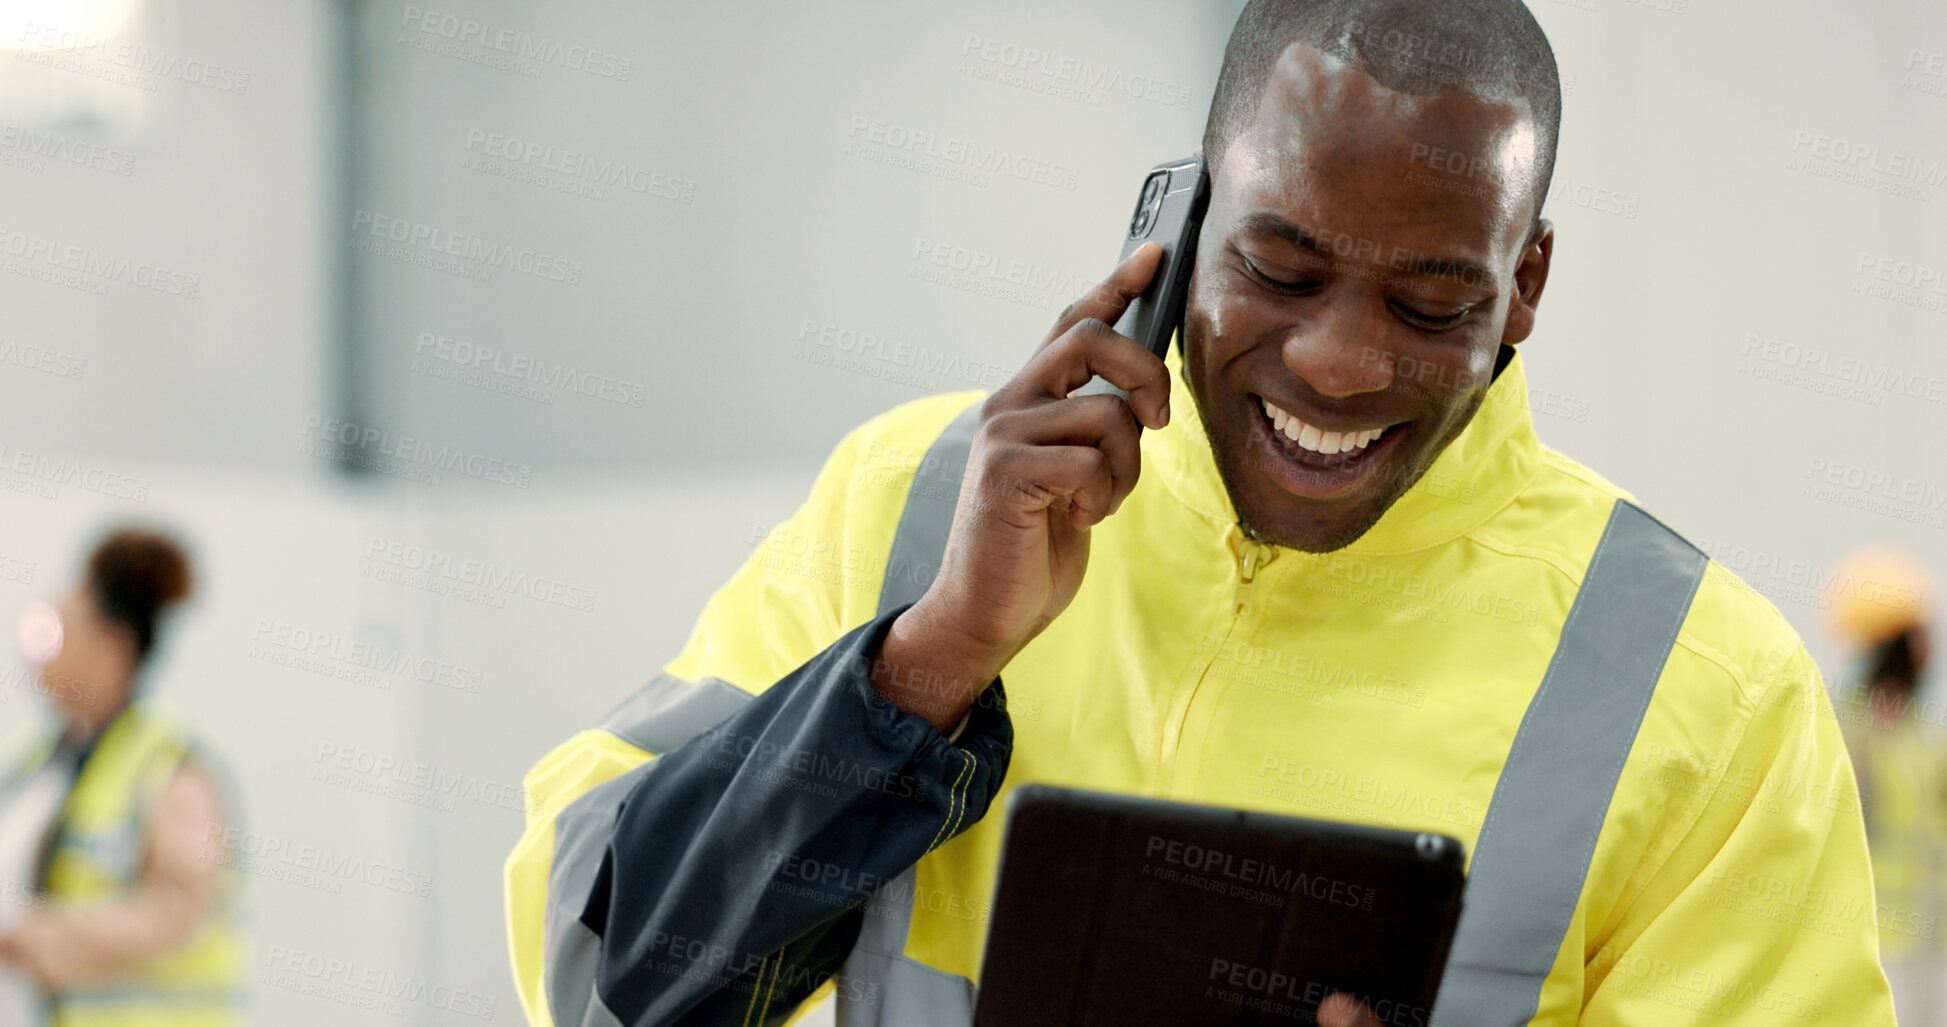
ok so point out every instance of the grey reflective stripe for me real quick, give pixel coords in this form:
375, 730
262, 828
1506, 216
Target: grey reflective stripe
572, 952
898, 991
1534, 848
928, 517
660, 716
669, 711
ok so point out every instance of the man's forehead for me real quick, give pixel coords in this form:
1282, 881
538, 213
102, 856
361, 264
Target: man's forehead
1334, 150
1319, 107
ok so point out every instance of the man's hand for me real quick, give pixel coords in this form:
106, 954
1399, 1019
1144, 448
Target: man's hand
1045, 467
1342, 1010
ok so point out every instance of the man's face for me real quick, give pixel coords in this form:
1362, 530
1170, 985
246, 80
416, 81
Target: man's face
1365, 254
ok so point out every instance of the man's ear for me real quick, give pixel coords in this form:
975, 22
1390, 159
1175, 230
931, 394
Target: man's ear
1530, 275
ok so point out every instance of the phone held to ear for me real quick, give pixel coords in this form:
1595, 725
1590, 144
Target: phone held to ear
1170, 210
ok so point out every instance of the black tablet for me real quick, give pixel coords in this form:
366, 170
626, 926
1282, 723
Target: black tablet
1117, 910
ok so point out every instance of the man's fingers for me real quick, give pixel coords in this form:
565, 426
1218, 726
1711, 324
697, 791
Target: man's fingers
1111, 296
1342, 1010
1027, 480
1093, 348
1104, 422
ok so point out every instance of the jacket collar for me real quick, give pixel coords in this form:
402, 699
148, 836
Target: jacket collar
1480, 472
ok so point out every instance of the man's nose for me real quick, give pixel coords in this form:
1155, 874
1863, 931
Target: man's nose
1340, 351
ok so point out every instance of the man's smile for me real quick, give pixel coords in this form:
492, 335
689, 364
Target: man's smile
1319, 458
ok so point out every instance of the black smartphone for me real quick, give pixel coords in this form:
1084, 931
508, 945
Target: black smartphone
1170, 210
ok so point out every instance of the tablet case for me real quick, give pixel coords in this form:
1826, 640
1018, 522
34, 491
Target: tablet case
1114, 909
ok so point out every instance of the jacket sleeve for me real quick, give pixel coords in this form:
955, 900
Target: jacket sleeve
786, 817
701, 857
1764, 912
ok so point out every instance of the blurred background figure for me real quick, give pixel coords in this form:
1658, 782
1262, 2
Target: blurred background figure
115, 911
1894, 731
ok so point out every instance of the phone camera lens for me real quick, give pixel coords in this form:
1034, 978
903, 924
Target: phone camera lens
1146, 207
1428, 846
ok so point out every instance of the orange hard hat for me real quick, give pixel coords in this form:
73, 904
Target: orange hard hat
1881, 592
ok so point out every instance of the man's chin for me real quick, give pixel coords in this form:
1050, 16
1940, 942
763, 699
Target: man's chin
1317, 531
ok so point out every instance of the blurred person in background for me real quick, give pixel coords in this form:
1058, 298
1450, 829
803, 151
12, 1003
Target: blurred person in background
1899, 754
115, 910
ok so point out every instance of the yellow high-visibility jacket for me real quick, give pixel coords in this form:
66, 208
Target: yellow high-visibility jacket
1384, 683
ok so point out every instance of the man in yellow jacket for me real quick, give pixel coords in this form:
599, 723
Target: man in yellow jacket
1337, 576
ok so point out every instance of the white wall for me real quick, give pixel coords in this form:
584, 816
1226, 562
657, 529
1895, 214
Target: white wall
1639, 363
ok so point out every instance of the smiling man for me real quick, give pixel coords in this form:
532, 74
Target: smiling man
1338, 576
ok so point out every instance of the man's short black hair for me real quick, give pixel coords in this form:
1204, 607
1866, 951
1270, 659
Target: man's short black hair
1488, 48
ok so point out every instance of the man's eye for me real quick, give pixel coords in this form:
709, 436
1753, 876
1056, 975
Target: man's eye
1284, 285
1431, 322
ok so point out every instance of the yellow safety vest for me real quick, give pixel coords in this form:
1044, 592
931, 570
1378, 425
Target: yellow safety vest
95, 855
1721, 875
1902, 772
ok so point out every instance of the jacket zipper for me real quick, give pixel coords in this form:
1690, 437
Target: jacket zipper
1246, 577
1251, 559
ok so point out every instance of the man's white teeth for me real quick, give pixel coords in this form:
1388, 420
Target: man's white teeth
1322, 442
